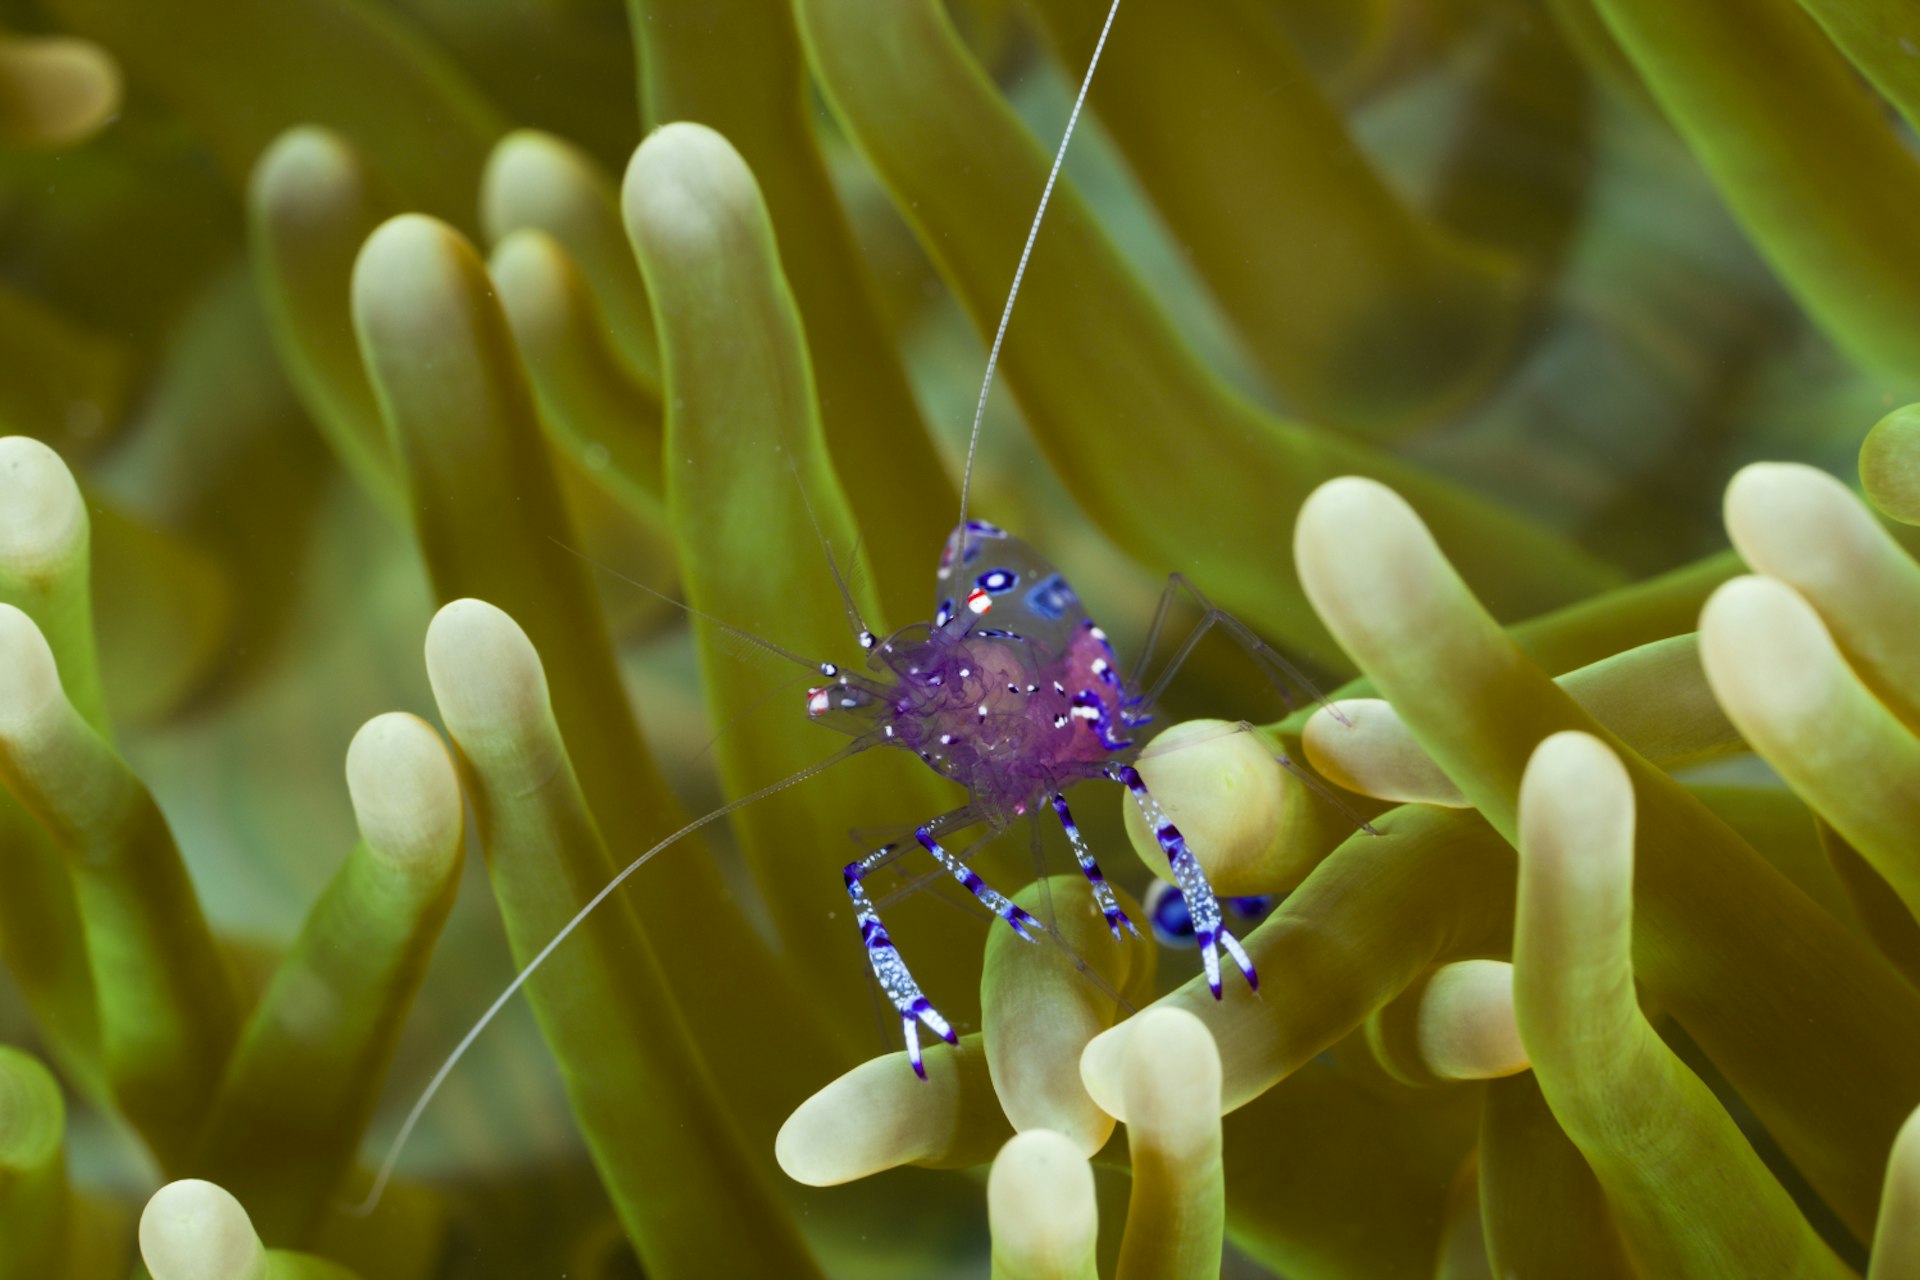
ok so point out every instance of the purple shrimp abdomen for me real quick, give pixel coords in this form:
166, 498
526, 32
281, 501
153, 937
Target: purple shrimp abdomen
1095, 694
1012, 691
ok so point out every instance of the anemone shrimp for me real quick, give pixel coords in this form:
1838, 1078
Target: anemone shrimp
1012, 691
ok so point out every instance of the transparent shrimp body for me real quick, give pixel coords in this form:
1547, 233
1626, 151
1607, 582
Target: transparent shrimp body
1013, 692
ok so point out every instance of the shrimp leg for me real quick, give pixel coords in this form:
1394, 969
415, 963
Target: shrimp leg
1102, 891
1280, 672
888, 967
991, 898
1209, 929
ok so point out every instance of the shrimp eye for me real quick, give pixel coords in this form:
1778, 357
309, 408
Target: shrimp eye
817, 702
1167, 914
979, 601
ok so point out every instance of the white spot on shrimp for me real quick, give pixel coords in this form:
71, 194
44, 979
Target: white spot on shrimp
817, 702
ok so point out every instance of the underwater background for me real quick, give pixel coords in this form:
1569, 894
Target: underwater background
1533, 374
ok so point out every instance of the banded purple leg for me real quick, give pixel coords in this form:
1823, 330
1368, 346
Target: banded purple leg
1202, 906
888, 967
1102, 891
989, 897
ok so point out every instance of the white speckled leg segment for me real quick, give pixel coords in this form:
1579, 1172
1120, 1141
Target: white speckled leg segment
1204, 908
889, 968
990, 897
1109, 906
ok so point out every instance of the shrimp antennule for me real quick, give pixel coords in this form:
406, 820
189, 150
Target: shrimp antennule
387, 1165
854, 620
1026, 252
738, 633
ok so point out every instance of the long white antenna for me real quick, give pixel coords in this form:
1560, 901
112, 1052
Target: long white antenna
1033, 233
385, 1175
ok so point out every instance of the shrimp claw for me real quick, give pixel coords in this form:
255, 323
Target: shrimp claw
889, 968
1103, 897
1208, 928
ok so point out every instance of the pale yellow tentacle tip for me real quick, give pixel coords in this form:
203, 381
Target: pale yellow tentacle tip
1100, 1068
58, 90
43, 519
1346, 499
1760, 487
1465, 1025
683, 182
194, 1230
530, 176
1795, 522
1575, 798
485, 674
530, 267
1767, 655
406, 796
1170, 1080
1359, 547
833, 1137
1337, 512
1367, 749
306, 168
1040, 1206
411, 279
879, 1116
30, 689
